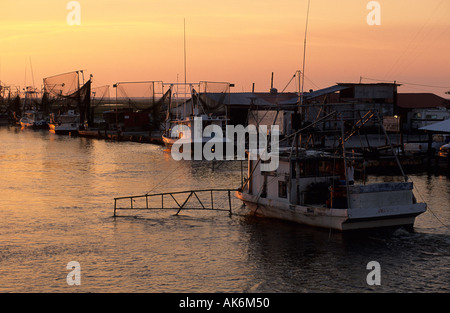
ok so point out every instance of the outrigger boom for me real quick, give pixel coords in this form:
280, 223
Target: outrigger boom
168, 201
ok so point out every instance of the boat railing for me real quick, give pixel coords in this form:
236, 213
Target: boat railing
203, 199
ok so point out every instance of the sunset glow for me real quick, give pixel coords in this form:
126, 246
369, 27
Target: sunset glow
241, 42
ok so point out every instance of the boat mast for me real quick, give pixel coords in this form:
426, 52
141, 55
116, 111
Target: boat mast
32, 74
185, 79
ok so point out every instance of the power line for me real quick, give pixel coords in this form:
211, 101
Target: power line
414, 40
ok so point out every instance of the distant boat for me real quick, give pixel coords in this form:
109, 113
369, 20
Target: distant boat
33, 119
189, 119
193, 137
190, 129
73, 99
67, 123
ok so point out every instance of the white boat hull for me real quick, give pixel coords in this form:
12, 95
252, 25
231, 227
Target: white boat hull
168, 141
339, 219
65, 124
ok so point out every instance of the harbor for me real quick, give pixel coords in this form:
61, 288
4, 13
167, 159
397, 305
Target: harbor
146, 112
115, 189
225, 156
59, 208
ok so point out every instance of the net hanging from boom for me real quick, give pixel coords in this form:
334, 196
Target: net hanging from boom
64, 92
214, 97
147, 96
139, 95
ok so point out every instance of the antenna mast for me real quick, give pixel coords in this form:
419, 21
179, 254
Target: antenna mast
185, 79
304, 54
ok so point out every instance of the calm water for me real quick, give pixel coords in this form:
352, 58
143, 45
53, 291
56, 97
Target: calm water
56, 206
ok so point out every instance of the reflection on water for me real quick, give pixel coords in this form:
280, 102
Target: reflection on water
57, 204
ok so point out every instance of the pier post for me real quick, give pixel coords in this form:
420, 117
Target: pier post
185, 204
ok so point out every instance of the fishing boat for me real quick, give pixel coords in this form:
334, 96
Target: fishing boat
67, 123
316, 187
72, 99
33, 119
33, 116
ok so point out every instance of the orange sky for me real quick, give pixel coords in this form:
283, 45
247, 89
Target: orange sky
241, 42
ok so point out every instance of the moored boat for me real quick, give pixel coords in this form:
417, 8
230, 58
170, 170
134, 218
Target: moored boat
196, 127
33, 119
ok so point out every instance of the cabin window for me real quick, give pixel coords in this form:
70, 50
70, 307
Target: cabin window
282, 189
325, 168
310, 168
306, 169
268, 173
264, 188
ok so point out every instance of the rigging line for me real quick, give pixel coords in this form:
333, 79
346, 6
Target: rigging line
25, 82
312, 82
32, 74
428, 207
286, 138
405, 83
185, 79
289, 82
304, 54
159, 183
401, 57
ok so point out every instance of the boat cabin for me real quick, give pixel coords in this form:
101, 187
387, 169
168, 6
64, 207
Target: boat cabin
320, 179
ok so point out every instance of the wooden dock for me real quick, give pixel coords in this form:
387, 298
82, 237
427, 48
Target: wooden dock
203, 199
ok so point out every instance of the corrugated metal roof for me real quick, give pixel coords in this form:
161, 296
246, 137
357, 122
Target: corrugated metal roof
441, 127
421, 100
324, 91
248, 98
